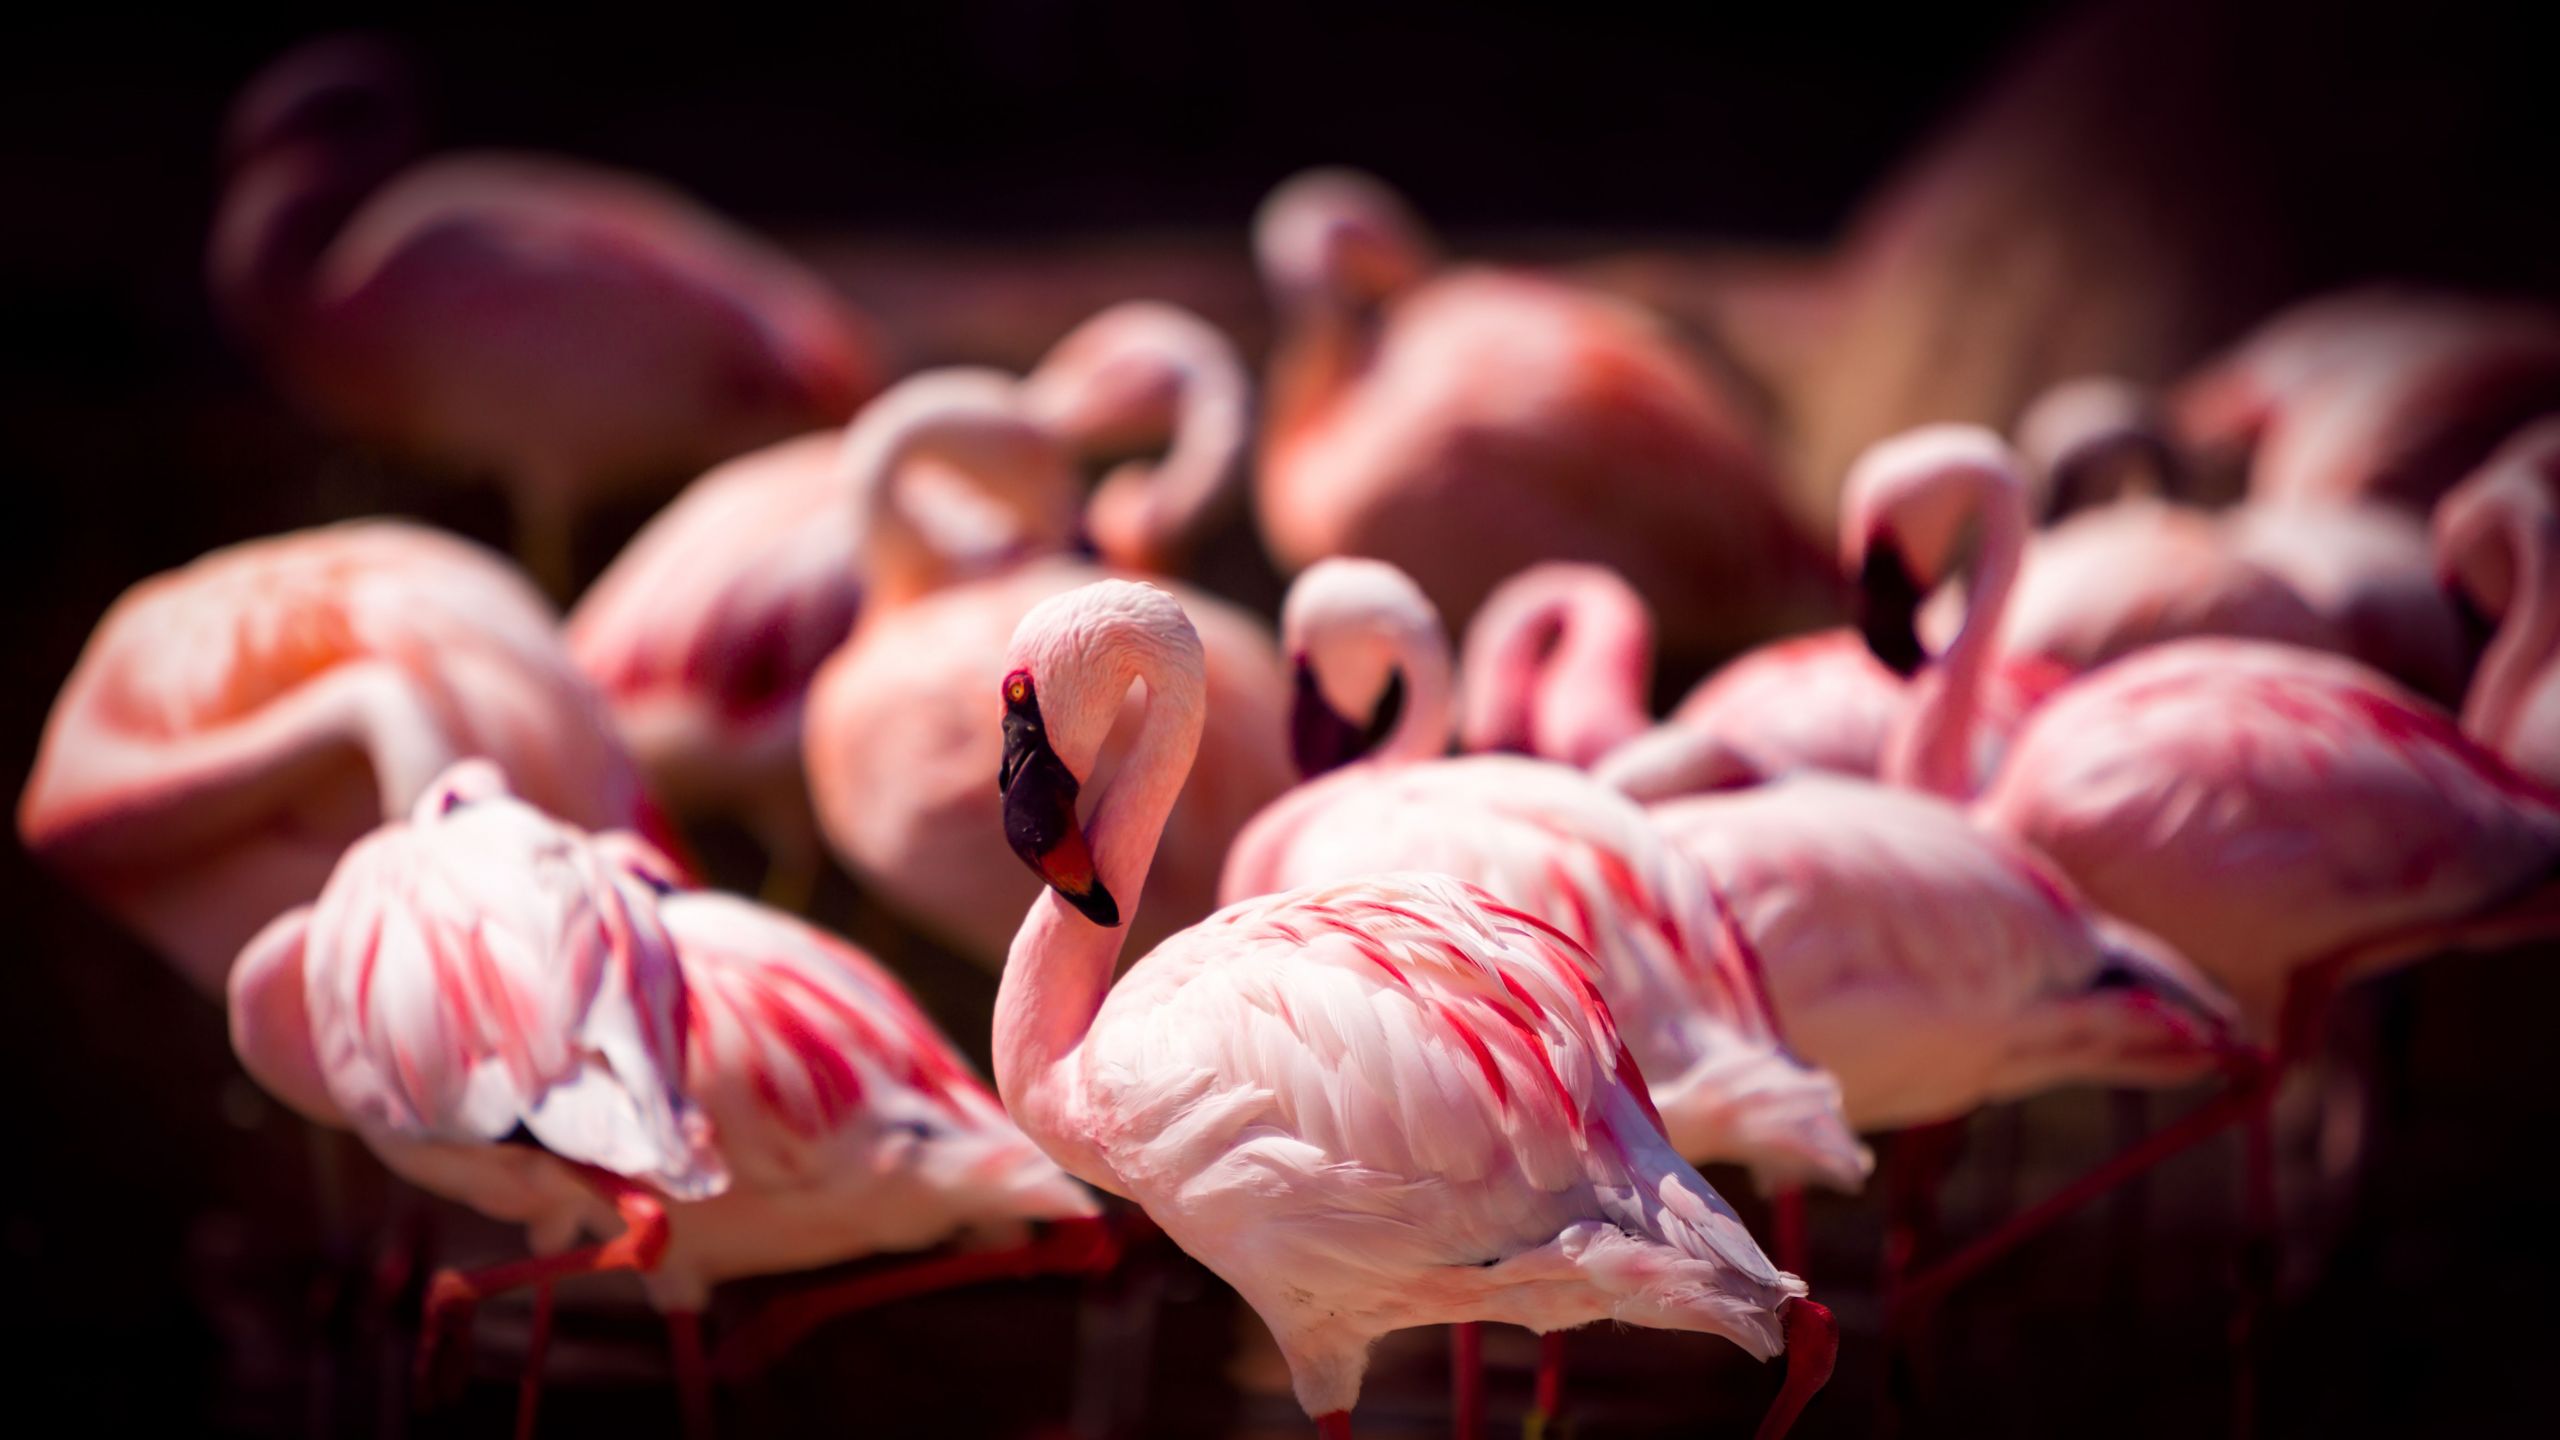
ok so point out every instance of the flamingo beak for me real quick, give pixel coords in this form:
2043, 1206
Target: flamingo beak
1040, 817
1320, 739
1889, 609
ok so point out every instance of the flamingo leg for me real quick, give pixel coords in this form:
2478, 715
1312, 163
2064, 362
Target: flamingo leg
537, 1347
1466, 1380
693, 1373
455, 1294
1064, 1247
1550, 1396
1813, 1347
1794, 1244
1334, 1426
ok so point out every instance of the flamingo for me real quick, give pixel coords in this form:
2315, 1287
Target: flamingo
2350, 575
233, 725
811, 1113
1367, 1105
2497, 535
1468, 424
572, 328
895, 742
2380, 393
1556, 665
706, 631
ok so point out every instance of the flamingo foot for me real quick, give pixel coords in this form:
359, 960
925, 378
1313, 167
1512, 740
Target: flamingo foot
1813, 1347
1065, 1247
1466, 1381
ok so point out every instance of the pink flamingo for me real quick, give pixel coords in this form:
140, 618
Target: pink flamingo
1470, 424
2379, 393
896, 740
1547, 839
1368, 1105
571, 328
707, 630
1556, 665
2498, 537
2349, 575
232, 726
817, 1113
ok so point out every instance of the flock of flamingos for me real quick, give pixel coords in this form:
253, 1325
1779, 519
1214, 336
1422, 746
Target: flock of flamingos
1400, 982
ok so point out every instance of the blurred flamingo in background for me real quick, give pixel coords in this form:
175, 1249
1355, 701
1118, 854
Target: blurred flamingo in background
1470, 424
1545, 839
2498, 537
234, 725
898, 738
1385, 1102
707, 630
780, 1100
478, 972
1556, 665
571, 328
2380, 393
2350, 575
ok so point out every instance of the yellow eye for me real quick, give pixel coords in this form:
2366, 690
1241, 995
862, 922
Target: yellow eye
1017, 690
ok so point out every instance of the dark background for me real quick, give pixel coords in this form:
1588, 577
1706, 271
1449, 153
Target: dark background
163, 1256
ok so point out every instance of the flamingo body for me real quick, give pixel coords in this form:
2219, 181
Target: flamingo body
233, 725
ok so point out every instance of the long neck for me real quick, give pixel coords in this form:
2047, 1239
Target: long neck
970, 421
1424, 730
1933, 749
1561, 675
2528, 638
1061, 964
278, 214
1195, 400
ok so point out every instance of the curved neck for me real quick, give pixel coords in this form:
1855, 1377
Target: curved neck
1424, 730
2528, 637
1149, 374
971, 421
277, 216
1060, 966
1932, 749
1557, 668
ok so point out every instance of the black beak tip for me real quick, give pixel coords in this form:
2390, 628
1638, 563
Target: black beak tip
1097, 906
1889, 610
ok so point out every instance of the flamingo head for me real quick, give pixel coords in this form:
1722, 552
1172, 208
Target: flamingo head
1071, 665
1904, 516
2096, 437
350, 95
1359, 634
1338, 238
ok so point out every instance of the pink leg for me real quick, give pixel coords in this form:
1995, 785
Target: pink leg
1550, 1397
454, 1294
1064, 1247
536, 1346
693, 1373
1336, 1426
1466, 1380
1813, 1346
1789, 1222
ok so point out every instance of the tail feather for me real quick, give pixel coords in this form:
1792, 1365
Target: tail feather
1761, 1107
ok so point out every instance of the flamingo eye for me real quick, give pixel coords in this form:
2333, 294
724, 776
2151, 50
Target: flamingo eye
1017, 688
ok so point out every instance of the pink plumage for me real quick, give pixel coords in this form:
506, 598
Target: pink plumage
1468, 425
1933, 966
570, 327
1556, 665
2263, 808
899, 741
1554, 843
233, 725
1386, 1102
2498, 537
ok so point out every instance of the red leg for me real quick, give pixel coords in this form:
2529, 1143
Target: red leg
454, 1294
1813, 1346
536, 1346
1789, 1222
1466, 1380
1064, 1247
1550, 1396
693, 1373
1336, 1426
